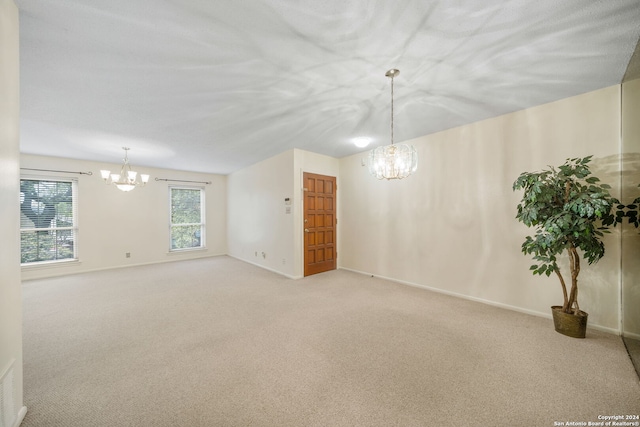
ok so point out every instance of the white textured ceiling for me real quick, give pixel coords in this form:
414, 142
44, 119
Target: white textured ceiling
215, 86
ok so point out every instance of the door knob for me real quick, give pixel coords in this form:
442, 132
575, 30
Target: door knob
306, 230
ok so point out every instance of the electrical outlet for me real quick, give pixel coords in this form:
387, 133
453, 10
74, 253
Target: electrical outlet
284, 261
127, 255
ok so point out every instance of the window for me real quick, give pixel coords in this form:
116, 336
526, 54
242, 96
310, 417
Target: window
187, 218
48, 223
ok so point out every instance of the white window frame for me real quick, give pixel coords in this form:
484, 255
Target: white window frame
202, 222
74, 228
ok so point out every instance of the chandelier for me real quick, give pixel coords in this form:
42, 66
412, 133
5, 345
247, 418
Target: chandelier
127, 179
393, 161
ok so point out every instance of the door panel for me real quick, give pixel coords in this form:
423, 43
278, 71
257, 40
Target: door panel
319, 223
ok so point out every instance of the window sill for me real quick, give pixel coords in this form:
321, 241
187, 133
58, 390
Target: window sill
181, 251
50, 264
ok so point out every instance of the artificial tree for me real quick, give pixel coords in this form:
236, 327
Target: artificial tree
570, 210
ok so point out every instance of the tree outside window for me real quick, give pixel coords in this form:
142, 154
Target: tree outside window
187, 218
48, 227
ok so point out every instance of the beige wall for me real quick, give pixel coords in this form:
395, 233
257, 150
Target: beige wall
11, 398
452, 226
630, 190
112, 223
258, 218
260, 229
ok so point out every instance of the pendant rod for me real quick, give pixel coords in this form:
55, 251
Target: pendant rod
392, 110
391, 74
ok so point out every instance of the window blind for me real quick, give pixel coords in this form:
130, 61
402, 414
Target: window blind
48, 220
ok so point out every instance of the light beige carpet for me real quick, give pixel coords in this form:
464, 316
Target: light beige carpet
217, 342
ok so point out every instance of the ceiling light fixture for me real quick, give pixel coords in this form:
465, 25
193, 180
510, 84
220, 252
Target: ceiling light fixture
361, 141
127, 180
393, 161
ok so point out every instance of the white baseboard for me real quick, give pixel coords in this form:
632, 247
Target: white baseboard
113, 267
21, 414
480, 300
631, 335
289, 276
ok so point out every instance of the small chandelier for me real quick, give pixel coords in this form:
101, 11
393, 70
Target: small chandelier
127, 179
393, 161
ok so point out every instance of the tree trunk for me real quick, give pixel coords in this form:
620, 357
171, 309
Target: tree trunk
574, 265
565, 305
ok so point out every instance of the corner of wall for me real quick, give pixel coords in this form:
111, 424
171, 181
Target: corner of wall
11, 365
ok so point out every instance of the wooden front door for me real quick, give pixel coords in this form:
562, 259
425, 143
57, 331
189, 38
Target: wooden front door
319, 223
